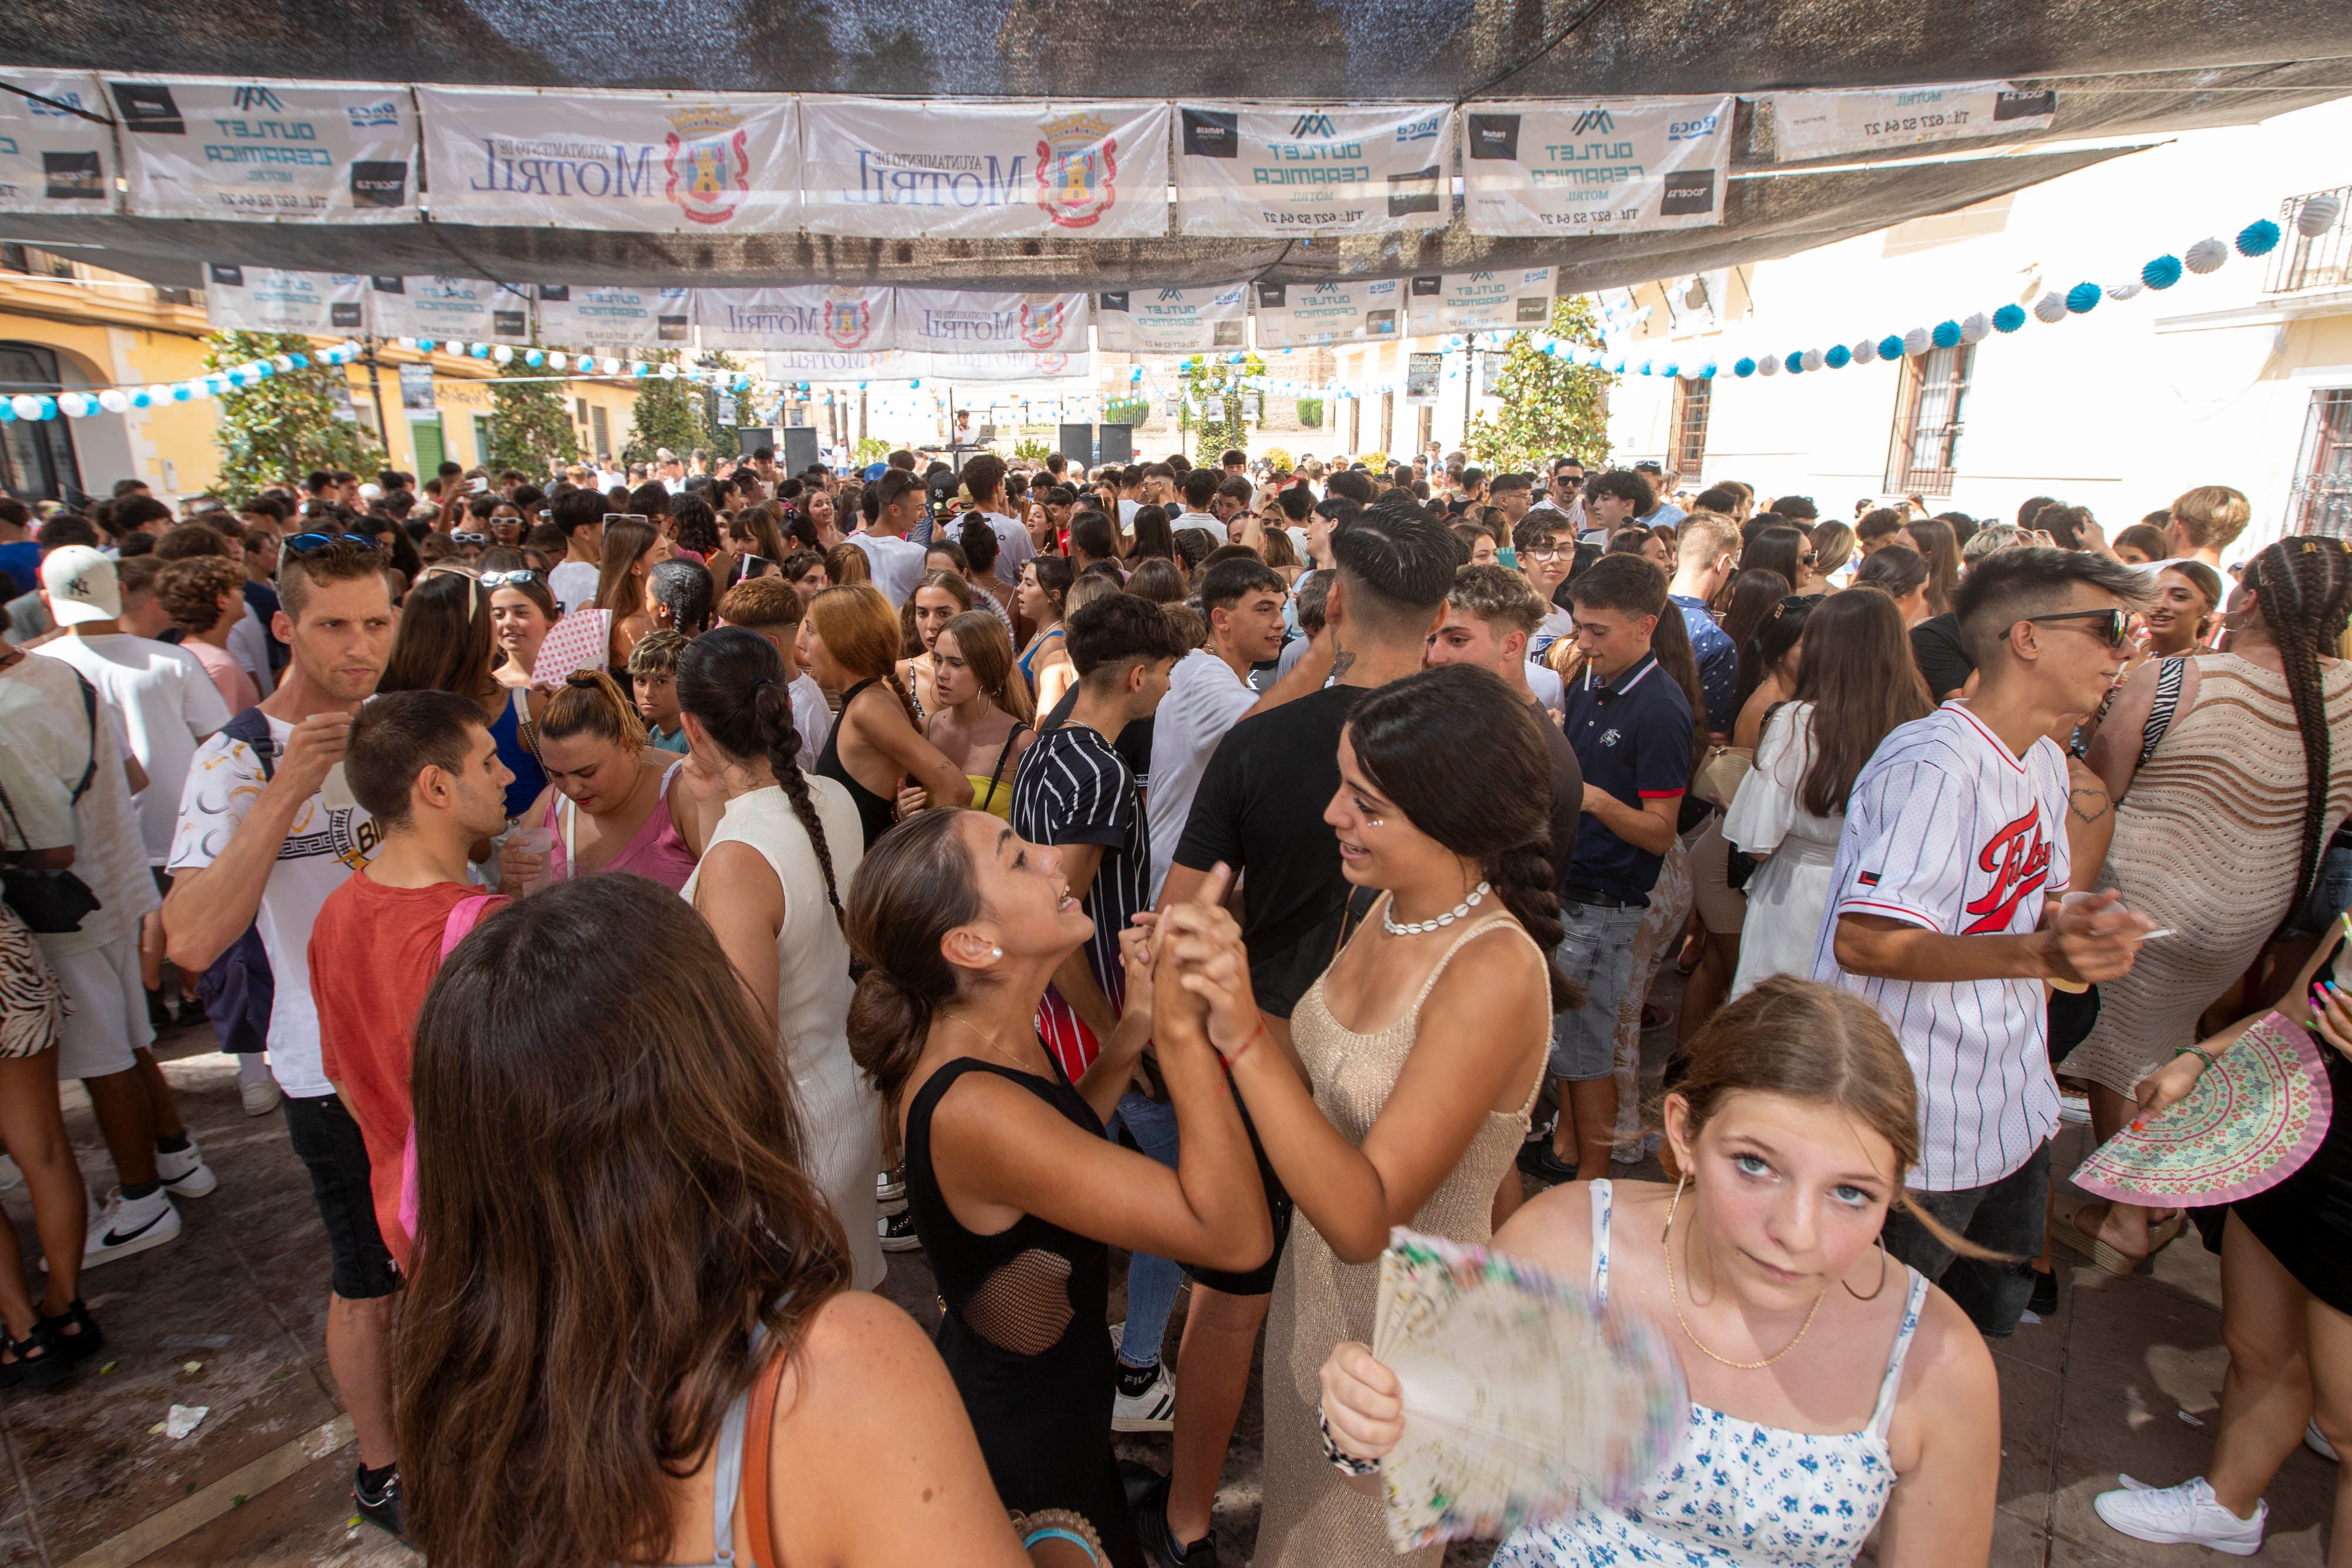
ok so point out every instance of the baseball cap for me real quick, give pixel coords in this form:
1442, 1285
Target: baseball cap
1646, 466
82, 585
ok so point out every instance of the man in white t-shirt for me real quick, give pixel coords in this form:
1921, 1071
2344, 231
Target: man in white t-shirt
580, 514
167, 702
896, 561
1943, 910
258, 844
983, 476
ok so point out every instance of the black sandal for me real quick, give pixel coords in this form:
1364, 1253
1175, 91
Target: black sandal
39, 1364
86, 1337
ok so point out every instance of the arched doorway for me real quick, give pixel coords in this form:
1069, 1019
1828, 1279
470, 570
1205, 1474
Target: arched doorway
36, 456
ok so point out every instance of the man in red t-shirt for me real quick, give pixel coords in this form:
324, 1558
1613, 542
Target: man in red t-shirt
424, 766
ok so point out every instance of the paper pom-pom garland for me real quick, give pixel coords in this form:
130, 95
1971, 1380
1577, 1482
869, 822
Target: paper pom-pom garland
1865, 353
2258, 238
1890, 346
2125, 289
1794, 363
2206, 255
1976, 329
1839, 357
1916, 343
2051, 309
2162, 273
1743, 367
1813, 359
2318, 216
1769, 366
2083, 298
1946, 334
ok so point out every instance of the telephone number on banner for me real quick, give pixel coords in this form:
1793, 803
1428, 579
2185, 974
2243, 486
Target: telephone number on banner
1315, 220
1587, 220
1914, 122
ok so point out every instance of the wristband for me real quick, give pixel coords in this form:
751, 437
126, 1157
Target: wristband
2198, 1050
1347, 1464
1236, 1056
1079, 1541
1058, 1525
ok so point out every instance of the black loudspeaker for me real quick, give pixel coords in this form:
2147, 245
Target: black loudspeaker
1078, 444
1117, 443
748, 440
799, 454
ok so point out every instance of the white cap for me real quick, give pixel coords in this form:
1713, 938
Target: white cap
82, 585
371, 491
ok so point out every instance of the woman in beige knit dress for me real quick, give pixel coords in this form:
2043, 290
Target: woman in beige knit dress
1422, 1047
2233, 769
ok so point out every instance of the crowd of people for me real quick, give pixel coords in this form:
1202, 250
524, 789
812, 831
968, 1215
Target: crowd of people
649, 907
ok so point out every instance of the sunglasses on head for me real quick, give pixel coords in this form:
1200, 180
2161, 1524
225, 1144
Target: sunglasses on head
515, 579
303, 544
2110, 626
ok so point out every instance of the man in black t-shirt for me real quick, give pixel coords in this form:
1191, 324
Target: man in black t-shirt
1260, 810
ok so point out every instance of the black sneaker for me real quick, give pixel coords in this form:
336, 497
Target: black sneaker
1538, 1161
381, 1507
1160, 1544
897, 1232
2043, 1303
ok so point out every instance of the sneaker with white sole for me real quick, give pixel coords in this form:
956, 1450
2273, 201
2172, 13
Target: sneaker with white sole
126, 1226
2186, 1514
891, 1187
2074, 1109
1153, 1410
897, 1232
260, 1096
185, 1174
2316, 1440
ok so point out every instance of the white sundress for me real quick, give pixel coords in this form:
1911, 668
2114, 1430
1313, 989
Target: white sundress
1735, 1492
1789, 891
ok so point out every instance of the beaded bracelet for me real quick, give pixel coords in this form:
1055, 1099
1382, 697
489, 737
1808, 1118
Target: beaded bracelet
2198, 1050
1058, 1525
1347, 1464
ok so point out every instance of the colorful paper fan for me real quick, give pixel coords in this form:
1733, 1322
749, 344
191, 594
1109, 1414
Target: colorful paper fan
580, 641
1521, 1394
2255, 1115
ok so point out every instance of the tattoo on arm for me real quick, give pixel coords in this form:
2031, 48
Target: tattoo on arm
2087, 803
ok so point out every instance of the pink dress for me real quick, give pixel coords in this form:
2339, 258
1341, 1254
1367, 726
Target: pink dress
656, 852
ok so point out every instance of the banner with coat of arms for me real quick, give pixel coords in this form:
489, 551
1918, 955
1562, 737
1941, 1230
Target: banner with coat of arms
1252, 169
1173, 320
617, 316
956, 322
821, 318
217, 147
901, 170
51, 158
671, 163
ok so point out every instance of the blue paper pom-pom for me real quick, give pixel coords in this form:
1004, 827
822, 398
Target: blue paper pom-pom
1743, 367
1794, 363
2083, 298
1706, 372
1947, 334
1890, 346
2009, 318
2258, 238
1839, 357
2161, 272
300, 361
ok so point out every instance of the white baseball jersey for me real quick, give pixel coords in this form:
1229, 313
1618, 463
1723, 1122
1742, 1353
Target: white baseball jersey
1948, 829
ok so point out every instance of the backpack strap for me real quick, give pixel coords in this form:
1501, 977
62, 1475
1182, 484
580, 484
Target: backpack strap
89, 712
251, 725
463, 915
999, 771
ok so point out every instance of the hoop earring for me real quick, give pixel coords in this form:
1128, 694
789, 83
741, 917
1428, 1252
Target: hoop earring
1873, 1295
1668, 1229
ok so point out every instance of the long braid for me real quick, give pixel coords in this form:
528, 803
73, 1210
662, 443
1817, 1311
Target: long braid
1524, 883
772, 701
2301, 588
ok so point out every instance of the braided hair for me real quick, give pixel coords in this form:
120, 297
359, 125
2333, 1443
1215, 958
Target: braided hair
2303, 592
732, 681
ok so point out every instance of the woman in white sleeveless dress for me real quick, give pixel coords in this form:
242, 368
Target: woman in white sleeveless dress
770, 885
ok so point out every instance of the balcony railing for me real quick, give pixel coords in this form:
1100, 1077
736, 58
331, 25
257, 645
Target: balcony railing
2322, 261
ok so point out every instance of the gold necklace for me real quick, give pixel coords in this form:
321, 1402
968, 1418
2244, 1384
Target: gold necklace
1666, 1243
990, 1042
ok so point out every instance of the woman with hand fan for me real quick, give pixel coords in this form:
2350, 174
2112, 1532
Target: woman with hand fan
1831, 1392
2286, 1306
1421, 1048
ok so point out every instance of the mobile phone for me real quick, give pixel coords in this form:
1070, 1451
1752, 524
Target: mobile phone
478, 484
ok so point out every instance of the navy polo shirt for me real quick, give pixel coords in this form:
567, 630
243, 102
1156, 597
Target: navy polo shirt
1633, 738
1718, 662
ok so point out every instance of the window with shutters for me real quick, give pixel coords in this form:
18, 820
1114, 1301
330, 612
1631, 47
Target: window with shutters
1686, 432
1930, 412
2320, 501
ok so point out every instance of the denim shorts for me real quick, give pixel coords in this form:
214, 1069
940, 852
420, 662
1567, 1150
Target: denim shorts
2331, 892
1596, 951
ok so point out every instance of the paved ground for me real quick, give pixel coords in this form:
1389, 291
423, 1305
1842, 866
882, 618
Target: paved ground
2125, 1377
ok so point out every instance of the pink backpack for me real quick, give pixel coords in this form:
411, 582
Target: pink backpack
464, 916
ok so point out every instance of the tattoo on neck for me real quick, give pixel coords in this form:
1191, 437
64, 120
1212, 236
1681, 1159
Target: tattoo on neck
1342, 659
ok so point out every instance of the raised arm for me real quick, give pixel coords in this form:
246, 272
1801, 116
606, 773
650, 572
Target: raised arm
209, 906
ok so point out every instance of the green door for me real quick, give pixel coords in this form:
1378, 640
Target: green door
429, 450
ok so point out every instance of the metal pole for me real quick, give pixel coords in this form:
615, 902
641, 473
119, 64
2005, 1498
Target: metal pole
375, 392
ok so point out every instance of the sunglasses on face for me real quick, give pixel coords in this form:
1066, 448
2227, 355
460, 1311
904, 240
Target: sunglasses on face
507, 579
2109, 626
469, 539
1566, 482
1808, 559
303, 544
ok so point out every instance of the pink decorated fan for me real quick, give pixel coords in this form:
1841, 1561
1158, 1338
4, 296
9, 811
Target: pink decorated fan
580, 641
2254, 1117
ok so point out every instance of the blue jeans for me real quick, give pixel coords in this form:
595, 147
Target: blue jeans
1596, 951
1152, 1284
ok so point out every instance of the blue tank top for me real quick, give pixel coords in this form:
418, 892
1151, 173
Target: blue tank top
515, 751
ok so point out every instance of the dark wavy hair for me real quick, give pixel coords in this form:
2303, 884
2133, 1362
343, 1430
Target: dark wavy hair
610, 1174
1417, 738
732, 681
1856, 669
914, 886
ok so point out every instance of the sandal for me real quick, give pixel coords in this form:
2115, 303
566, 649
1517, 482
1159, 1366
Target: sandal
86, 1337
39, 1362
2068, 1229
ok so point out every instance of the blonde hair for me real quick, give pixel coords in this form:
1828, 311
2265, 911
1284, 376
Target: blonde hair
845, 564
861, 632
2211, 516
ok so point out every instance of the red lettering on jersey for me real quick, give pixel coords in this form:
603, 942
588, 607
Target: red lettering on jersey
2019, 866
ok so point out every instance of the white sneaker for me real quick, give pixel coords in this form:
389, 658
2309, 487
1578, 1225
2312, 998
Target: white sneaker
1153, 1410
185, 1175
11, 1178
2185, 1514
890, 1188
2316, 1440
126, 1226
897, 1232
2075, 1108
260, 1097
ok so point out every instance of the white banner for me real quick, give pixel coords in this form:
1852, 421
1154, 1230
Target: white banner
264, 300
1517, 300
53, 160
665, 162
1078, 365
1607, 165
616, 318
1247, 170
1173, 320
1820, 124
984, 171
448, 310
818, 318
961, 323
899, 365
1298, 315
220, 147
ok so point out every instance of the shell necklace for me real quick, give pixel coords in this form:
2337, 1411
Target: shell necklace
1422, 927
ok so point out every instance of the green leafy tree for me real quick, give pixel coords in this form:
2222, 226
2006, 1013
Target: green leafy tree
668, 413
1310, 413
530, 425
1030, 449
1549, 405
1130, 410
872, 449
276, 431
1223, 391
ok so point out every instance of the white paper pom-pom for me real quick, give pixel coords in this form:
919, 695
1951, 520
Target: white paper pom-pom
2318, 216
1976, 329
2051, 309
1769, 365
1917, 342
2124, 289
1865, 353
1812, 360
2206, 255
558, 359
